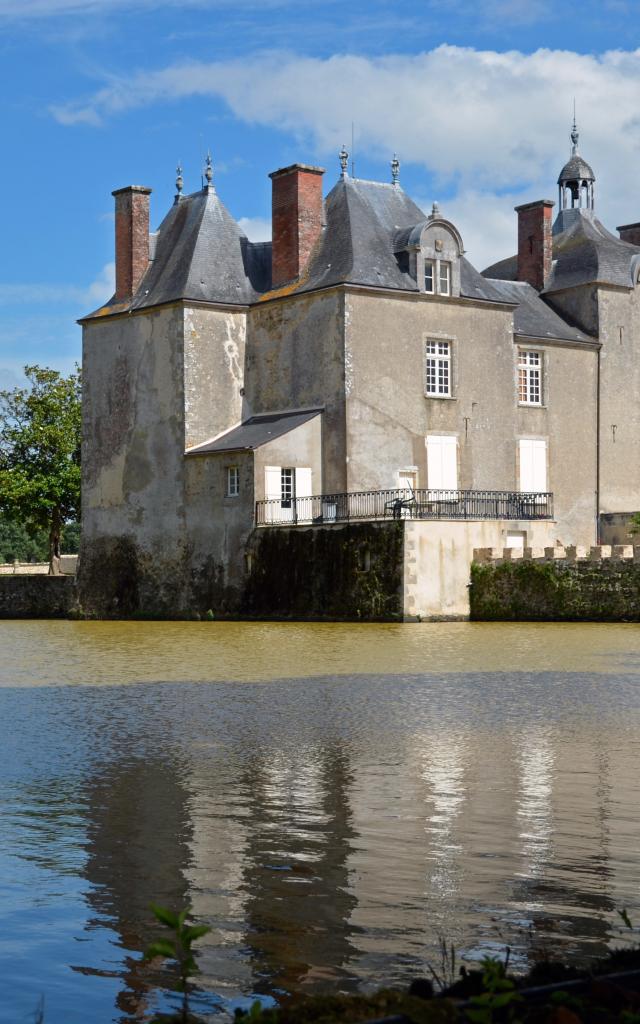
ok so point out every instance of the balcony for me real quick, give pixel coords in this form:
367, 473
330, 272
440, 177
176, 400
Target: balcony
404, 504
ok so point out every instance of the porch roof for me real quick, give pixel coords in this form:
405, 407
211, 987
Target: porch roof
256, 431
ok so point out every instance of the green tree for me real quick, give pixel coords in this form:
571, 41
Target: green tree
40, 427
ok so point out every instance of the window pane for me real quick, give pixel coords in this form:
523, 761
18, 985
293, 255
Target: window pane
233, 481
286, 486
438, 368
445, 277
428, 275
530, 377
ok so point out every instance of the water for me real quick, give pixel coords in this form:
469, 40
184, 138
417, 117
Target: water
329, 798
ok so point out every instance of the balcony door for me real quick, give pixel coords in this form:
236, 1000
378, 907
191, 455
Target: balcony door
284, 487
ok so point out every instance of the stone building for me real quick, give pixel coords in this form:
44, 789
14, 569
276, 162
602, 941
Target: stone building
356, 370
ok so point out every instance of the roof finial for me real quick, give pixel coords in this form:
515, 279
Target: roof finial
574, 132
208, 170
179, 181
343, 157
395, 170
435, 210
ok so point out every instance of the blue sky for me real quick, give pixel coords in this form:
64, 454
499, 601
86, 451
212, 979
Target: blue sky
475, 97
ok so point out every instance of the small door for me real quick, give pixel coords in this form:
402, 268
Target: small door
442, 462
407, 479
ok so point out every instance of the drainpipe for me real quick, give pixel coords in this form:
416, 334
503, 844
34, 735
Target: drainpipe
598, 449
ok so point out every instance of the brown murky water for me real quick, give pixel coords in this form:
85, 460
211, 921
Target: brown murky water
329, 798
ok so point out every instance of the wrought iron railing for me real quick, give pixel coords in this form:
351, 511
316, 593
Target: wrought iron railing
405, 504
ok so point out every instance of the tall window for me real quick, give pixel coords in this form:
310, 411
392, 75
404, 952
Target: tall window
444, 277
438, 369
233, 481
529, 377
286, 486
430, 276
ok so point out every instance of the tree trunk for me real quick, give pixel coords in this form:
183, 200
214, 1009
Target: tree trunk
55, 534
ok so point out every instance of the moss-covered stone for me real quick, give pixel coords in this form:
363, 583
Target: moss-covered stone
599, 591
344, 572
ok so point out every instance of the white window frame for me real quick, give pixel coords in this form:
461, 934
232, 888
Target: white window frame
530, 376
438, 367
233, 481
446, 277
287, 486
432, 265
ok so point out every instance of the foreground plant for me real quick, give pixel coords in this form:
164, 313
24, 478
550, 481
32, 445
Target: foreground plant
179, 949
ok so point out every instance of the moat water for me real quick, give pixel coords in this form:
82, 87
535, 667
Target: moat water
330, 799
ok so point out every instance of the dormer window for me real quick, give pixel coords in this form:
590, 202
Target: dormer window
430, 252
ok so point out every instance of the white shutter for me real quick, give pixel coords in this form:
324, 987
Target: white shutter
442, 462
533, 464
303, 482
272, 483
272, 492
540, 465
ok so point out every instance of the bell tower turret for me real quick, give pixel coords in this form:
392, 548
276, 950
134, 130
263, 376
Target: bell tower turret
576, 181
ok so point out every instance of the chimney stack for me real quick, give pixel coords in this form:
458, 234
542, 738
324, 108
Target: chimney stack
535, 242
297, 216
629, 233
132, 238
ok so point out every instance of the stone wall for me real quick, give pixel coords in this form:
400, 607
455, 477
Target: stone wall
348, 572
37, 597
600, 584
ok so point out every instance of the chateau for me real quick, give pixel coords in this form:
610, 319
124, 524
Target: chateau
355, 379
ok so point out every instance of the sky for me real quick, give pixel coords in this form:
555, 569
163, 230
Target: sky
474, 96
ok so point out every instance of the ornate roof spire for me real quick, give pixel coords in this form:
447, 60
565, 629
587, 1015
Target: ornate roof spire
395, 170
208, 171
343, 157
574, 132
179, 182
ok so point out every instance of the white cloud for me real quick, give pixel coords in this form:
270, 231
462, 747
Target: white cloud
257, 229
482, 121
98, 291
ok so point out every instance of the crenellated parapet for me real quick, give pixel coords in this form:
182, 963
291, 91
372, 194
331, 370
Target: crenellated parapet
569, 554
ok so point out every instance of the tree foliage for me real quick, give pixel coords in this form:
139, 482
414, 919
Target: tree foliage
40, 427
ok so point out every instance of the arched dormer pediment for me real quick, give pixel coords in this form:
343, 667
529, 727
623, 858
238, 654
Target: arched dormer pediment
433, 249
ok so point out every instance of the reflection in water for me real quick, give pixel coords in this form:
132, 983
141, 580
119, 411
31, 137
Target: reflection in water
137, 851
329, 827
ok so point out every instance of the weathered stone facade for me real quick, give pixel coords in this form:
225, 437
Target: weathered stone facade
348, 357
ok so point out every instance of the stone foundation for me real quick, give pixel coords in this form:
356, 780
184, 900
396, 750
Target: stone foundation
37, 597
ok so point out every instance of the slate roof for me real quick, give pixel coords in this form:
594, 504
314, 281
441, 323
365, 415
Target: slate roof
584, 252
201, 254
576, 169
532, 318
256, 431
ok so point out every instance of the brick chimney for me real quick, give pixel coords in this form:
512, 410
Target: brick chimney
132, 238
535, 243
629, 233
297, 216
